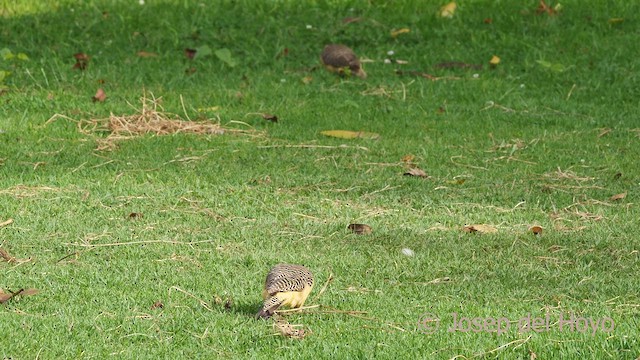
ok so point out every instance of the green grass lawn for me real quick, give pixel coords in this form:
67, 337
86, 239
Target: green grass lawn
194, 221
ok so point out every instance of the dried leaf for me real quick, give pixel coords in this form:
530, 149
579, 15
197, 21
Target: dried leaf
6, 222
614, 21
346, 134
448, 10
395, 33
146, 54
307, 79
190, 53
157, 305
536, 230
29, 292
270, 117
360, 229
5, 255
408, 158
4, 297
618, 197
494, 61
532, 355
349, 20
416, 172
544, 8
100, 96
480, 228
135, 215
82, 60
458, 181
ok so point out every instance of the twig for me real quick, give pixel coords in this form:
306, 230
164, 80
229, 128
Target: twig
184, 109
519, 341
5, 255
388, 187
300, 309
308, 146
324, 288
172, 242
7, 222
202, 302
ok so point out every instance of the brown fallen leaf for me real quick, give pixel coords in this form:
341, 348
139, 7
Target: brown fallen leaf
146, 54
480, 228
82, 60
347, 134
349, 20
4, 297
360, 229
417, 172
190, 53
536, 230
136, 215
270, 117
408, 159
100, 96
532, 355
544, 8
5, 255
618, 197
157, 305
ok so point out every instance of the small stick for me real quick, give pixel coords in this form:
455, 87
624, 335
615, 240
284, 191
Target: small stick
202, 302
324, 288
307, 146
172, 242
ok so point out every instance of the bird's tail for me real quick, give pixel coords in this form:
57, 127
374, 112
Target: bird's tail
269, 307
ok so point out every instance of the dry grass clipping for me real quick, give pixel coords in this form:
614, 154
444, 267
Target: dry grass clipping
152, 119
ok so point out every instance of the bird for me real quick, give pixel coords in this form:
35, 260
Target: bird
286, 285
342, 60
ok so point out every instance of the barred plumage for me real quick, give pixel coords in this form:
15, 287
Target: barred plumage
286, 285
337, 58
